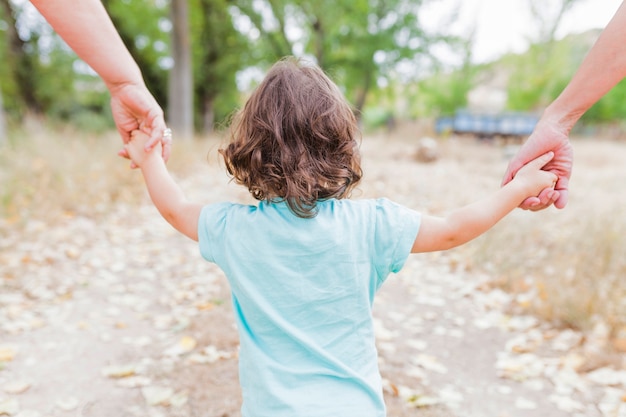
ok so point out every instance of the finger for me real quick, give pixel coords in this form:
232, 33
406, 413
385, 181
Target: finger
156, 127
124, 134
547, 196
124, 153
511, 170
541, 161
529, 203
561, 202
546, 199
562, 186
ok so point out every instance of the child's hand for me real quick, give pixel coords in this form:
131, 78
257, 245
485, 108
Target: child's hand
533, 178
136, 148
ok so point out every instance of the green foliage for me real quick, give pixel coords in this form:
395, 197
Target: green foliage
611, 107
362, 44
143, 26
443, 94
40, 73
538, 75
219, 51
357, 41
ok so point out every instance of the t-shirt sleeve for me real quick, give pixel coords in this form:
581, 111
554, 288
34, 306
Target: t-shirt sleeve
211, 227
396, 229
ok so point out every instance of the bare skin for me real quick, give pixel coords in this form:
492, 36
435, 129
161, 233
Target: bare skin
600, 71
87, 29
436, 233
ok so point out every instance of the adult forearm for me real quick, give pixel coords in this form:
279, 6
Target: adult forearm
603, 67
87, 29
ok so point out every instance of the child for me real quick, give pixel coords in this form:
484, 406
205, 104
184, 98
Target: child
304, 265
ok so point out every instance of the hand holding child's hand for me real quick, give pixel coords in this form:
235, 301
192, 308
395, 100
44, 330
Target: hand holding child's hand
533, 178
136, 147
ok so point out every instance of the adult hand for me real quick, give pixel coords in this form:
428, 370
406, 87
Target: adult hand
134, 108
546, 137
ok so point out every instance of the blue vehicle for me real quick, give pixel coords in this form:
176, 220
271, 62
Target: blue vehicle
487, 126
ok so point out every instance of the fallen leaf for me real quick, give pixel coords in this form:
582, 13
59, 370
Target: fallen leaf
423, 401
205, 306
134, 382
67, 404
184, 345
16, 387
525, 404
179, 399
7, 353
430, 363
9, 407
157, 395
118, 371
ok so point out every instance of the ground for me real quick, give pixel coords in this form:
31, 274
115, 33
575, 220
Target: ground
121, 317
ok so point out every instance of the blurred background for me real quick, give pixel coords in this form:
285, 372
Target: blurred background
420, 73
396, 60
445, 91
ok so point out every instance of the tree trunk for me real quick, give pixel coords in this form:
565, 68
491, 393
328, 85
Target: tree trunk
180, 100
21, 63
3, 127
361, 93
208, 116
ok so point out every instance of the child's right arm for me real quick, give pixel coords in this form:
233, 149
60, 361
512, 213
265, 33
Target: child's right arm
164, 192
469, 222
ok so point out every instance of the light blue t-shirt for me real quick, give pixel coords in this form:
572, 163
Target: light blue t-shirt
302, 293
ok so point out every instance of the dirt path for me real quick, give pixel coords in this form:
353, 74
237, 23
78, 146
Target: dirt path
121, 317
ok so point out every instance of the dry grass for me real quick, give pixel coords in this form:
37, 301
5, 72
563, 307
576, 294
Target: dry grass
567, 266
50, 173
570, 264
46, 174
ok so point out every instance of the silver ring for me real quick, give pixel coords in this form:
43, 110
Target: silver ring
167, 134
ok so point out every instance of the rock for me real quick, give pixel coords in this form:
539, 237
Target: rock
427, 150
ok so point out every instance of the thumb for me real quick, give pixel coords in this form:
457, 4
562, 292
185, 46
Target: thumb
541, 161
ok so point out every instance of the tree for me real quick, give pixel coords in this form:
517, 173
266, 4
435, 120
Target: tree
548, 15
357, 41
21, 59
180, 101
3, 129
138, 24
219, 52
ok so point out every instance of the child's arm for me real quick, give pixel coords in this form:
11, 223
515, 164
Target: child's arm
469, 222
164, 192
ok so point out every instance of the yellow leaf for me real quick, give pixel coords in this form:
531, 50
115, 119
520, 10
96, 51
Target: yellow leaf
205, 306
188, 343
7, 353
122, 371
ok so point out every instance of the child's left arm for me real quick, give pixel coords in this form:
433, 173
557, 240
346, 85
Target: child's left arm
164, 192
469, 222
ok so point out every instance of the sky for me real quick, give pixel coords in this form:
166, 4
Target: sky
507, 25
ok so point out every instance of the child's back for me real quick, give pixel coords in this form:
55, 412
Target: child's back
302, 294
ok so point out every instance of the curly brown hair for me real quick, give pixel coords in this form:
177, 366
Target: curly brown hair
295, 139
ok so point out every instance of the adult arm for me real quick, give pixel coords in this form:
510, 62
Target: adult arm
87, 29
603, 67
469, 222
